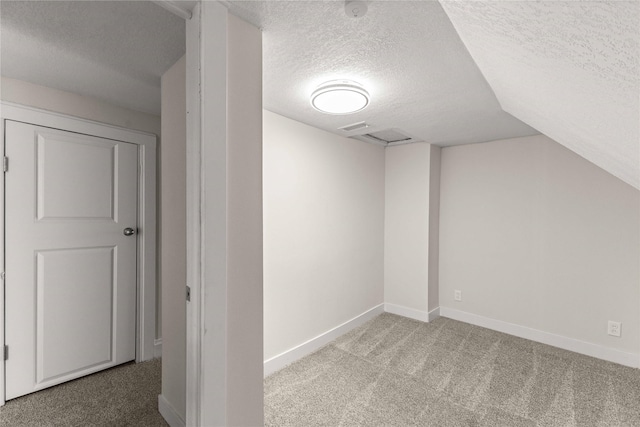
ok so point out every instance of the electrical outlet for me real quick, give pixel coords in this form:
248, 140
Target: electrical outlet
457, 295
614, 329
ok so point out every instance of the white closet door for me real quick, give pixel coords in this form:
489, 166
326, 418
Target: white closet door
70, 268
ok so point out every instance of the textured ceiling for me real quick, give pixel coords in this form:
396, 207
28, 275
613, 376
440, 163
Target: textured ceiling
569, 69
447, 73
112, 50
407, 54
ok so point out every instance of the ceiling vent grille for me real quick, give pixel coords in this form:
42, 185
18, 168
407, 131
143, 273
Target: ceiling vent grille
386, 137
355, 126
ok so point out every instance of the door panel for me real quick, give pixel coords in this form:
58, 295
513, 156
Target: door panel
73, 275
70, 270
85, 190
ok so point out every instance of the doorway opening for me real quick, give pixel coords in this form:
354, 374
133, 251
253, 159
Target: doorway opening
104, 61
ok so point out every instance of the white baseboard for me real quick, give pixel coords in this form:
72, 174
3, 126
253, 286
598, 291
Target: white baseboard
280, 361
571, 344
411, 313
169, 413
157, 348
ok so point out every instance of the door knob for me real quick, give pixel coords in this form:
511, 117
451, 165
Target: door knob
129, 231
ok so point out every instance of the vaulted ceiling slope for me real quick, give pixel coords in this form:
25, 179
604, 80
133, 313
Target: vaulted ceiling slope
112, 50
571, 69
407, 54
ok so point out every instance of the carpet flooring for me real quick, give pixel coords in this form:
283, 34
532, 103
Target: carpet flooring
126, 395
394, 371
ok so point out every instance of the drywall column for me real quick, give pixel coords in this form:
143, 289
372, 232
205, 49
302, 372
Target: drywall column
411, 217
434, 232
173, 252
244, 225
224, 219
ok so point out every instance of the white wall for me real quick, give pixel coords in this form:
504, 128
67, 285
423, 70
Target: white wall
323, 231
224, 220
172, 273
25, 93
29, 94
534, 235
411, 223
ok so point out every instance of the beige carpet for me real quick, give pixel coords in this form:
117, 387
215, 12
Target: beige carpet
398, 372
390, 372
126, 395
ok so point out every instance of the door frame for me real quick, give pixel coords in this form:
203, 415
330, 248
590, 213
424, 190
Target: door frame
146, 251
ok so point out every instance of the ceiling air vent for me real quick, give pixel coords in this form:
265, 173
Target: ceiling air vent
386, 137
355, 126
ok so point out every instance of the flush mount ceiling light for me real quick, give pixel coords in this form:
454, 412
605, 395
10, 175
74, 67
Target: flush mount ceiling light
340, 97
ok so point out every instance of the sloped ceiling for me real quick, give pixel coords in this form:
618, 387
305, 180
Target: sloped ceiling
407, 54
112, 50
571, 69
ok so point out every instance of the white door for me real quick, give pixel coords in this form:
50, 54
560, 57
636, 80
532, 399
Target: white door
70, 269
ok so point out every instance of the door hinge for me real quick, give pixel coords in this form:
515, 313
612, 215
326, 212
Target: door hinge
188, 293
5, 164
6, 352
2, 276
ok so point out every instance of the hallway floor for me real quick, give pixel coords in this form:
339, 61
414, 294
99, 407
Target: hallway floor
126, 395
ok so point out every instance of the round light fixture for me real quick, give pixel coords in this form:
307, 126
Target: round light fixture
339, 97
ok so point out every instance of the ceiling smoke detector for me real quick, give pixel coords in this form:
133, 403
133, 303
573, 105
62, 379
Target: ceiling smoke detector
355, 9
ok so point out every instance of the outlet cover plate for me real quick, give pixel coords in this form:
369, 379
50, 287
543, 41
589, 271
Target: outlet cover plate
614, 328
